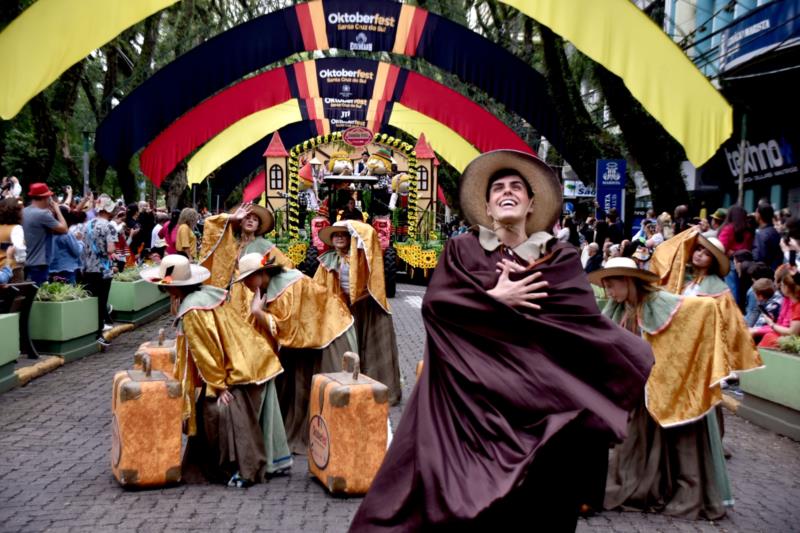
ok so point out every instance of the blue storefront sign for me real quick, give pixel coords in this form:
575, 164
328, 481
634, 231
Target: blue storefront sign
610, 185
773, 27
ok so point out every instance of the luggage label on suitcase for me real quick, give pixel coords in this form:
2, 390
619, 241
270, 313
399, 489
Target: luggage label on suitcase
128, 387
346, 462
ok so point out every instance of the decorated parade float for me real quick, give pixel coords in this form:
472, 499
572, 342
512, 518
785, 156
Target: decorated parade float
310, 185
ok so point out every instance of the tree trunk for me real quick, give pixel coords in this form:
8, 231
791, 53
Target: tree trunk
581, 136
656, 152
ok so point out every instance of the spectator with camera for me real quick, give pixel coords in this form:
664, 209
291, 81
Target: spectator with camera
40, 221
12, 237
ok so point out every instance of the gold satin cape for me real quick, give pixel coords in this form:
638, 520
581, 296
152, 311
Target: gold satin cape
216, 346
306, 314
670, 261
689, 351
220, 251
366, 267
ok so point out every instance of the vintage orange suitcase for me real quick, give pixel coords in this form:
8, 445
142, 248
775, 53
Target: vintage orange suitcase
162, 354
146, 428
348, 421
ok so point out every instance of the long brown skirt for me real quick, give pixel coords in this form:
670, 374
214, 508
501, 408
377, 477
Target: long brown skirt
377, 343
229, 438
294, 385
664, 470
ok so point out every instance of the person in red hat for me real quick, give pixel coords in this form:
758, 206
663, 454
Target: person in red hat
40, 220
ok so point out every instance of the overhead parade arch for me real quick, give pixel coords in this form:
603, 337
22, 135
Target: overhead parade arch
336, 92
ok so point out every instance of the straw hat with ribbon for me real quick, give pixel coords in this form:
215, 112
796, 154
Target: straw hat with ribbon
251, 263
175, 271
326, 234
717, 249
547, 198
621, 267
264, 215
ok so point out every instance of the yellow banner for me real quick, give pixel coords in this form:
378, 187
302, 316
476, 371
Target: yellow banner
453, 147
239, 136
619, 36
52, 35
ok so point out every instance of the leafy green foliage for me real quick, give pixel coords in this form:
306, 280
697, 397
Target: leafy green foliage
128, 275
60, 292
790, 344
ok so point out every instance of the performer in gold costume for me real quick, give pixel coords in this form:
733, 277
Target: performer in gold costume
672, 460
309, 327
227, 372
226, 238
353, 271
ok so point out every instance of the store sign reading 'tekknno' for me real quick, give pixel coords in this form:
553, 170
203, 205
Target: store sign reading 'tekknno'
771, 158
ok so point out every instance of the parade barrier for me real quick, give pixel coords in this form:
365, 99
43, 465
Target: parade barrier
67, 329
137, 302
9, 350
348, 422
772, 395
146, 428
161, 352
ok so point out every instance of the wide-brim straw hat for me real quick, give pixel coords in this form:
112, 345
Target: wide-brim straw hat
175, 271
326, 233
264, 215
547, 197
717, 249
621, 267
249, 264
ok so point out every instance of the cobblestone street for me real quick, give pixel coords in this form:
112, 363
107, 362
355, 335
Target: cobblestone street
55, 473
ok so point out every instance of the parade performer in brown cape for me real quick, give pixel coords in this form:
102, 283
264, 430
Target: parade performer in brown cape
228, 237
353, 271
235, 428
307, 326
672, 461
512, 398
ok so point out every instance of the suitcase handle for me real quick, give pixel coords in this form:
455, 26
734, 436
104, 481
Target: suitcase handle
147, 365
161, 337
351, 359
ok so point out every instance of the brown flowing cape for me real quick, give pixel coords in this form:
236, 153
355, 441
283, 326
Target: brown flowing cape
497, 385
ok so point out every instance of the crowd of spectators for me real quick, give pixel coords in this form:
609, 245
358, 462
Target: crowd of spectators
86, 240
763, 247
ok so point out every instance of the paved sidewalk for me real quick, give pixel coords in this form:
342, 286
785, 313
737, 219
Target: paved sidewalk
55, 475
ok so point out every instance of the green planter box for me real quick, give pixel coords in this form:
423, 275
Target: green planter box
137, 301
772, 394
9, 350
68, 329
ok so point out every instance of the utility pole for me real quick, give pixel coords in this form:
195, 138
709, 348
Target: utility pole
742, 155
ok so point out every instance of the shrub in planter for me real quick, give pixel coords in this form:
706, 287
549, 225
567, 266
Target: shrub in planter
790, 344
63, 320
134, 299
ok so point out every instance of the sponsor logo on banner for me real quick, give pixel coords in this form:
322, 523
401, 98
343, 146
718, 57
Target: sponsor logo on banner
350, 27
610, 185
357, 137
346, 92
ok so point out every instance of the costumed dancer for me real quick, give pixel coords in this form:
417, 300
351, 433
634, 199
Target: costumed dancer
353, 271
234, 424
309, 327
228, 237
672, 461
514, 402
693, 265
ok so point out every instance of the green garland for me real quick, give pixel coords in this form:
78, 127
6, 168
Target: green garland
381, 139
